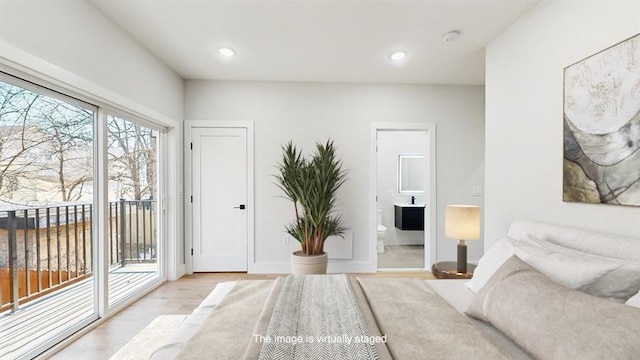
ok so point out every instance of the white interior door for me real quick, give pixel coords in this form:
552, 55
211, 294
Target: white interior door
219, 199
430, 189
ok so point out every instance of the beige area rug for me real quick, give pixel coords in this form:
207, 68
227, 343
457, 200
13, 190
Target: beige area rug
150, 338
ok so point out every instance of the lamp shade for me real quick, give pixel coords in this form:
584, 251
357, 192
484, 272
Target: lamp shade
462, 222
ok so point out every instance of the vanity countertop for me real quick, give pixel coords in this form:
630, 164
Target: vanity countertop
410, 205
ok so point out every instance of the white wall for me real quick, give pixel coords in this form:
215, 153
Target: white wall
75, 36
306, 112
524, 91
391, 144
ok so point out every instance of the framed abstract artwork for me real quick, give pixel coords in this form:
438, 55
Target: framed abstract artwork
602, 127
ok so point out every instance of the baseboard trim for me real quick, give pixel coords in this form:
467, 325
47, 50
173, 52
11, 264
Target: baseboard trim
332, 267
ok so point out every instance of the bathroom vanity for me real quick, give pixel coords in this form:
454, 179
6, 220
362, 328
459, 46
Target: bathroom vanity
409, 216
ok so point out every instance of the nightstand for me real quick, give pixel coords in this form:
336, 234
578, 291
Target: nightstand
448, 270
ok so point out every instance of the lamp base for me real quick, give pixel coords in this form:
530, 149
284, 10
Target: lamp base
462, 258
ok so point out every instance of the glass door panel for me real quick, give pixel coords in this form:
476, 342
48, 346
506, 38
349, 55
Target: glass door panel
134, 218
47, 238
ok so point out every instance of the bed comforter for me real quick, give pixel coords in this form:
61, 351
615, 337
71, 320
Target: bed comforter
377, 319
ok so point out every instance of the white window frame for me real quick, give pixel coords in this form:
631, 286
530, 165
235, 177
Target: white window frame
56, 82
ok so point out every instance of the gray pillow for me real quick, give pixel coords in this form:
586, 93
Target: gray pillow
554, 322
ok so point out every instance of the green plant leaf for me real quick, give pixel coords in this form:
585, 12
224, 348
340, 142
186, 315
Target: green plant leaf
312, 185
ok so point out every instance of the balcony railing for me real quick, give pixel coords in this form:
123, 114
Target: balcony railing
44, 249
132, 231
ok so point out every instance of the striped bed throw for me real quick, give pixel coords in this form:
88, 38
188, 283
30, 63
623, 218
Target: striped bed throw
317, 317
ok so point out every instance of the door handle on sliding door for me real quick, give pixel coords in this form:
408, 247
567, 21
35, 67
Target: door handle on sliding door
241, 207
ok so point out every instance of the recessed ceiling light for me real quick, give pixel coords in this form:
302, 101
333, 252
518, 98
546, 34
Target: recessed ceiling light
226, 52
398, 55
451, 36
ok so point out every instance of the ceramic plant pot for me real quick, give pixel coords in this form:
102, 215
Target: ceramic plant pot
304, 264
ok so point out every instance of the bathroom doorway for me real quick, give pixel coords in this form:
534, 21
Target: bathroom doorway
404, 196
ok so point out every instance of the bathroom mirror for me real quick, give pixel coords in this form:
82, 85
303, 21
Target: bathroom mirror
411, 174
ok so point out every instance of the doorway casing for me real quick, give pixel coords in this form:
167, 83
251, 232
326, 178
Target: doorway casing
189, 125
430, 188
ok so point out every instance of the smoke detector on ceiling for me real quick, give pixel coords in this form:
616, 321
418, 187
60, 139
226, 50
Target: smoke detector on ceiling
451, 36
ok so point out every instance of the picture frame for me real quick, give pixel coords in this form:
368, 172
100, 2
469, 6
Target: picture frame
601, 125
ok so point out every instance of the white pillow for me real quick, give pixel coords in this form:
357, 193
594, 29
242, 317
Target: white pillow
497, 254
571, 271
634, 301
618, 285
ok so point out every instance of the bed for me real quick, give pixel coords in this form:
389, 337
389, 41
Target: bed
542, 291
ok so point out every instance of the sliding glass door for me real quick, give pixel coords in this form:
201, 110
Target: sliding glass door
134, 223
47, 242
80, 218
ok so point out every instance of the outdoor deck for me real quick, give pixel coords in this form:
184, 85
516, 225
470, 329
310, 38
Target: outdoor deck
61, 309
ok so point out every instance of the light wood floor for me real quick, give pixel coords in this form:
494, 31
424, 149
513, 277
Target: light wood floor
175, 297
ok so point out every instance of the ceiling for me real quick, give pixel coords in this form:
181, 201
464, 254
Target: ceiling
318, 40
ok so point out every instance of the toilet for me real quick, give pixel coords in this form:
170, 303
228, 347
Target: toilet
381, 231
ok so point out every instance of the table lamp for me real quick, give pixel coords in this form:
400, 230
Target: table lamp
462, 222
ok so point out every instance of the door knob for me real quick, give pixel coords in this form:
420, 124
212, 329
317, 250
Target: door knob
241, 207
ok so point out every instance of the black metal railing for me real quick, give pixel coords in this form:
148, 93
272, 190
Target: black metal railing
43, 249
132, 231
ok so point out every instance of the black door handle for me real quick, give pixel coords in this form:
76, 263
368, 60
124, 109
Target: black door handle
241, 207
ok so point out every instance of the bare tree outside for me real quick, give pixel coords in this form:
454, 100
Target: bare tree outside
69, 132
46, 151
45, 148
19, 139
132, 154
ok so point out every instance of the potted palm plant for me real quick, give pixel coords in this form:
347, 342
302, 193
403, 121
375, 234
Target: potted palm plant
311, 184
